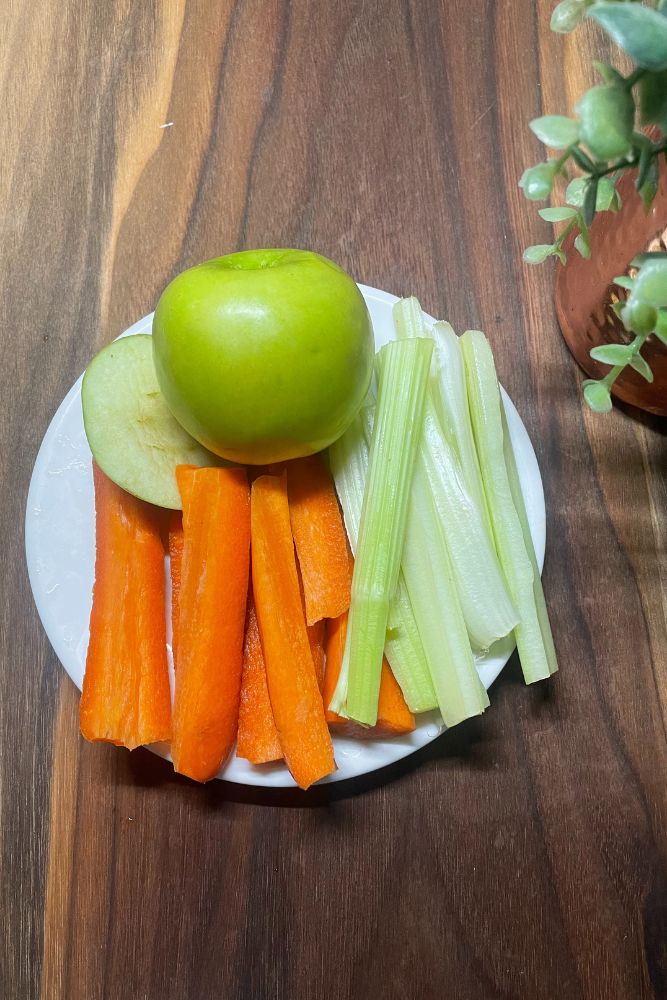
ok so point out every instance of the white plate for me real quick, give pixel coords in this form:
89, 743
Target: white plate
60, 551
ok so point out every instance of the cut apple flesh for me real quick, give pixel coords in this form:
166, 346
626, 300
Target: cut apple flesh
132, 434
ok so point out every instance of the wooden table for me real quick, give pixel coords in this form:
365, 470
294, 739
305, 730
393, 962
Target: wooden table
520, 856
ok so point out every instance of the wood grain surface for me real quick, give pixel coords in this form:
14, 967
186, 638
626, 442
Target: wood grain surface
523, 855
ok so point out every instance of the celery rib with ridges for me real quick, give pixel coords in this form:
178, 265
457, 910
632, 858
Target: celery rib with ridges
403, 376
405, 652
433, 595
538, 590
521, 574
348, 458
431, 592
483, 595
348, 461
450, 396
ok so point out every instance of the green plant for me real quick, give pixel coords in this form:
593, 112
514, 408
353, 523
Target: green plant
601, 143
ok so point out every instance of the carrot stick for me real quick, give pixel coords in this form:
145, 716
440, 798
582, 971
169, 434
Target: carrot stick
316, 642
295, 697
320, 539
315, 636
175, 563
257, 739
175, 545
394, 716
126, 698
214, 587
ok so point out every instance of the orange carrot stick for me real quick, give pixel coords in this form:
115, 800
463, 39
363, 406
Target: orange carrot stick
316, 636
257, 739
175, 563
175, 544
320, 539
295, 697
126, 698
394, 716
214, 588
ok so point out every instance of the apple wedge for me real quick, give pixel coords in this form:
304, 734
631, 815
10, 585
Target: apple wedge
132, 434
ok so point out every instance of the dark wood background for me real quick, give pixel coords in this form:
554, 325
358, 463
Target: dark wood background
521, 856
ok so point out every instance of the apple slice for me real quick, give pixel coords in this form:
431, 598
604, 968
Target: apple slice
132, 434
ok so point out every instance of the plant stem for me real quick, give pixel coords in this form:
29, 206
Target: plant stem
569, 227
634, 162
611, 376
639, 342
562, 158
636, 346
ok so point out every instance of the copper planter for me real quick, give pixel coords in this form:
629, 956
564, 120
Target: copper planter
584, 291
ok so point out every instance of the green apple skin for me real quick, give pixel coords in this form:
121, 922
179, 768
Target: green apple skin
263, 355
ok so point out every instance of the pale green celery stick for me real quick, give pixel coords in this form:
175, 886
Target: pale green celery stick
434, 599
403, 645
348, 460
409, 319
538, 590
486, 604
448, 390
405, 652
450, 396
403, 377
485, 411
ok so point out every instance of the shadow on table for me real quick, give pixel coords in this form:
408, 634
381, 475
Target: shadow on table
651, 420
473, 744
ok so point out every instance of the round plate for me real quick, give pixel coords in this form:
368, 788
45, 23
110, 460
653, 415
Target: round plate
60, 551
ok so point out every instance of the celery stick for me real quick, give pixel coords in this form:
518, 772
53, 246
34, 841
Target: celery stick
403, 377
449, 393
409, 319
485, 602
348, 459
403, 645
485, 411
434, 599
538, 590
405, 652
450, 396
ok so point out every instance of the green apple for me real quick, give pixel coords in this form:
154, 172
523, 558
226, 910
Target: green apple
263, 355
132, 433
